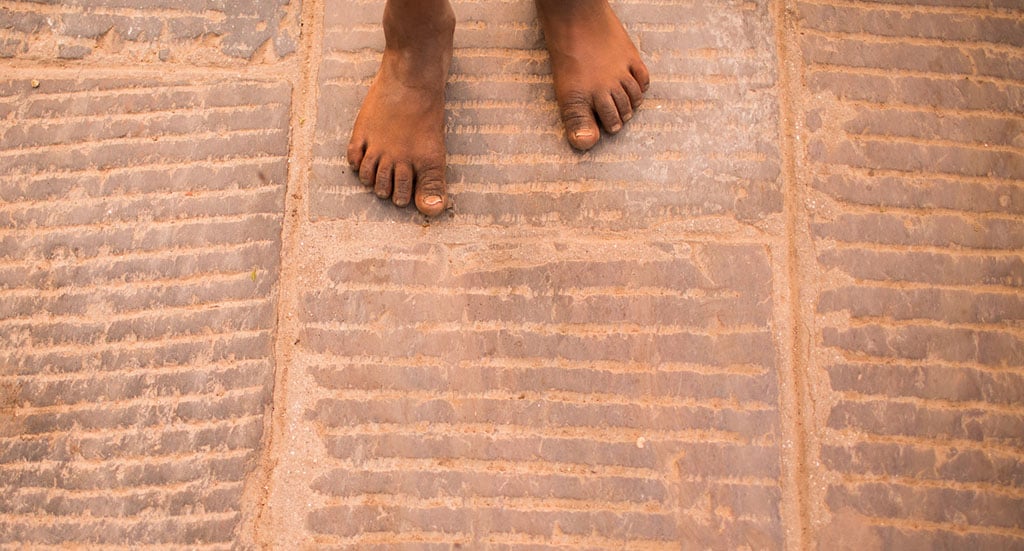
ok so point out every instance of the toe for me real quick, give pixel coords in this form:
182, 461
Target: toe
641, 74
431, 197
402, 193
632, 88
608, 112
623, 104
580, 126
382, 185
356, 149
368, 170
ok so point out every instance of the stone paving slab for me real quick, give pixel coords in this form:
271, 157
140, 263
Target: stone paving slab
509, 162
510, 393
138, 265
196, 31
914, 162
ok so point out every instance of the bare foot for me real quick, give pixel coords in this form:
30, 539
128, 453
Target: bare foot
596, 67
397, 142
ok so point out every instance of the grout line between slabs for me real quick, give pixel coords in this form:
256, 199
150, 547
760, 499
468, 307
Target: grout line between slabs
264, 530
794, 371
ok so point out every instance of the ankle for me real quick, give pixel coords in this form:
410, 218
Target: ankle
407, 31
571, 8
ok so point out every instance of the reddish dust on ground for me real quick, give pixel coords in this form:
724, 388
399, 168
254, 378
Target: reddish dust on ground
781, 309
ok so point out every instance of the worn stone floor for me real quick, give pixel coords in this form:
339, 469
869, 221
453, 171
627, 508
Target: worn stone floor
781, 310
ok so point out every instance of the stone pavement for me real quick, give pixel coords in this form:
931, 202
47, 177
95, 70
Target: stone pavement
781, 310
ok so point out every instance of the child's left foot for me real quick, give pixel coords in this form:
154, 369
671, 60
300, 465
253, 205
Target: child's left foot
597, 69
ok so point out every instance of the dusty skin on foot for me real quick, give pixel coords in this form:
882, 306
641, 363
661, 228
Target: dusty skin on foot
398, 143
597, 69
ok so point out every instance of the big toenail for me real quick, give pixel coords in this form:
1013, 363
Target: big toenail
582, 134
431, 200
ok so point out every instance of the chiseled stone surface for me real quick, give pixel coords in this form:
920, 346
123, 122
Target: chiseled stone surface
519, 394
914, 164
138, 271
152, 31
703, 146
781, 310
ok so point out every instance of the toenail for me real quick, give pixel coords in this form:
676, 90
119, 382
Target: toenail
616, 127
627, 117
431, 200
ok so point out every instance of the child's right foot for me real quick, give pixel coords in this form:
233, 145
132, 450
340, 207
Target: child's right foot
397, 143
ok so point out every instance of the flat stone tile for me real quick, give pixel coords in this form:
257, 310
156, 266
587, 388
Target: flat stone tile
139, 256
914, 156
703, 145
191, 30
493, 391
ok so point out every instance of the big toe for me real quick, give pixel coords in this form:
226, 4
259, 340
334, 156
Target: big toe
580, 126
431, 195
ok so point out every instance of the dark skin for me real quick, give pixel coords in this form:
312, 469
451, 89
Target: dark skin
397, 143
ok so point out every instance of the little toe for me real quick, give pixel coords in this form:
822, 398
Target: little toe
383, 182
368, 170
580, 126
431, 197
402, 193
608, 112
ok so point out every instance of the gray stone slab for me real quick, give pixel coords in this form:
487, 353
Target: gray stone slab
704, 144
139, 253
438, 371
192, 30
915, 163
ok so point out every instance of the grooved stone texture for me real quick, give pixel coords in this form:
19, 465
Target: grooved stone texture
159, 30
782, 309
915, 164
521, 397
702, 147
139, 254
